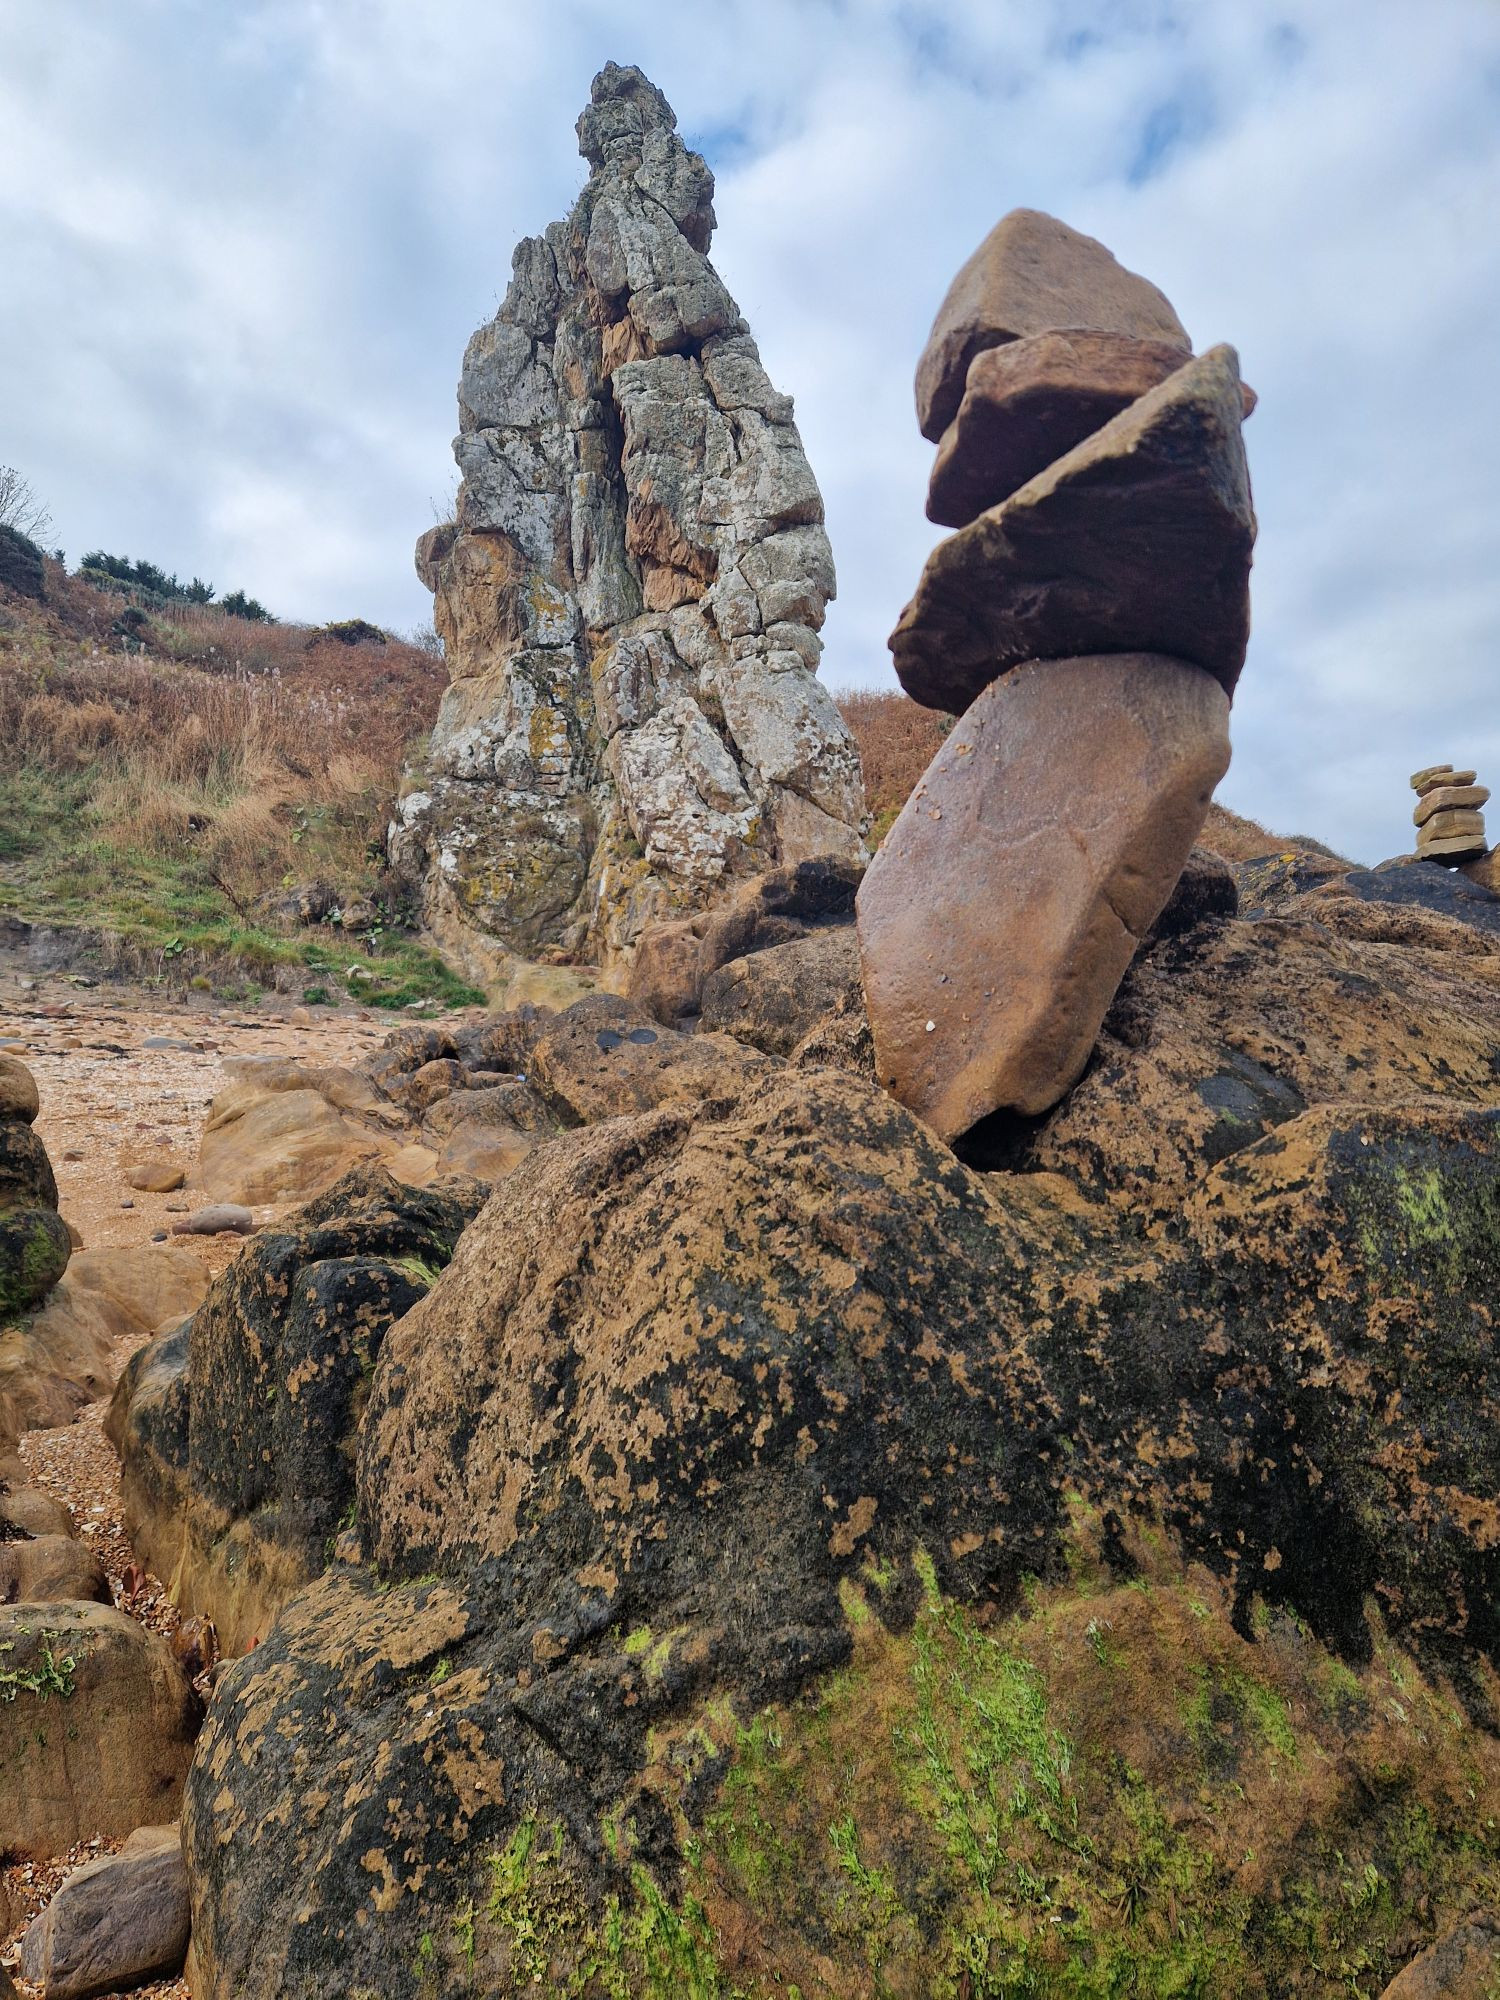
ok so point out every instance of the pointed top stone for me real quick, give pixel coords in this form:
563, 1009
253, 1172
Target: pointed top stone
1032, 274
624, 106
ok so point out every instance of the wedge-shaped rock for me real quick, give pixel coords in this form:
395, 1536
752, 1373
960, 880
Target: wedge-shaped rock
1138, 540
1031, 401
999, 916
1031, 274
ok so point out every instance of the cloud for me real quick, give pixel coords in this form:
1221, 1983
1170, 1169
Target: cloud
244, 248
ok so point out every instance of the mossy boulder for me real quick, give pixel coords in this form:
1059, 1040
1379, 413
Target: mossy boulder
236, 1432
794, 1560
34, 1241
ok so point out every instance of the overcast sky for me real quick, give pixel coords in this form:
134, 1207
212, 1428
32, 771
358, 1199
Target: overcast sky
243, 242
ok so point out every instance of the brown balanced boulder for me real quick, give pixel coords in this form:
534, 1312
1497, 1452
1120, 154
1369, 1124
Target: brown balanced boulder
115, 1923
1030, 275
100, 1733
1031, 401
1449, 798
1138, 540
1003, 909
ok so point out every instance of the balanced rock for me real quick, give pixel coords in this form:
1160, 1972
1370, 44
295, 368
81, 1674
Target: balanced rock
1009, 897
115, 1923
631, 593
1448, 819
1033, 400
1032, 274
1137, 540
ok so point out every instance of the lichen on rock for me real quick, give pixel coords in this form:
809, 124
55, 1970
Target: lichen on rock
631, 593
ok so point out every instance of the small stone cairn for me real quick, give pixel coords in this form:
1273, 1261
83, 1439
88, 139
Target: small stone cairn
1448, 816
1087, 624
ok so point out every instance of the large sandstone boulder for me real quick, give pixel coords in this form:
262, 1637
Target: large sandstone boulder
1033, 856
673, 961
715, 1400
631, 594
97, 1724
115, 1924
1137, 540
236, 1433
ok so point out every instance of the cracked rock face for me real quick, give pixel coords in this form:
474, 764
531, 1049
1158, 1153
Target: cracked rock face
631, 594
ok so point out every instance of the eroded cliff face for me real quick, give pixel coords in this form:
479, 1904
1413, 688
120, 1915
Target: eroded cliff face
631, 594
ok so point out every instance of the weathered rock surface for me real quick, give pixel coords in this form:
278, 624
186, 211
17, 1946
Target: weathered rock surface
99, 1733
631, 595
674, 960
1033, 856
1031, 401
1448, 798
61, 1357
1032, 275
115, 1923
1137, 540
661, 1448
236, 1433
777, 998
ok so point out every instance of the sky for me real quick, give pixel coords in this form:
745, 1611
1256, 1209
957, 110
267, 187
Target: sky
243, 243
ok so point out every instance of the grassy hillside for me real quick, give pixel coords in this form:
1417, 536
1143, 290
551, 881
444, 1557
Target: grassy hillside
173, 781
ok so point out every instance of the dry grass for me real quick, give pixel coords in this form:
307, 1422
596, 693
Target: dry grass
182, 779
897, 740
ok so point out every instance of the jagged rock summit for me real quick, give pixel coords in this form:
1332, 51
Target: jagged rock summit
631, 593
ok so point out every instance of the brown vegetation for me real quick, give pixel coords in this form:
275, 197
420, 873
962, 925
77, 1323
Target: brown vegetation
897, 740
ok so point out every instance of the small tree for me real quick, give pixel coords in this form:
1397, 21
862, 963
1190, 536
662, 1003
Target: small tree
238, 605
20, 508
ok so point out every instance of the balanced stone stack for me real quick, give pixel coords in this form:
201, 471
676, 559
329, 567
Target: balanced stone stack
1088, 623
1448, 816
631, 594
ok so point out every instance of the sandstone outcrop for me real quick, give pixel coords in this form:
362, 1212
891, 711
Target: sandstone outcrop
718, 1397
62, 1356
1010, 895
34, 1242
1088, 623
97, 1727
115, 1924
631, 594
236, 1432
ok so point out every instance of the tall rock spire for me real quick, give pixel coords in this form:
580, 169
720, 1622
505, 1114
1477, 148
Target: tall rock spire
631, 593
